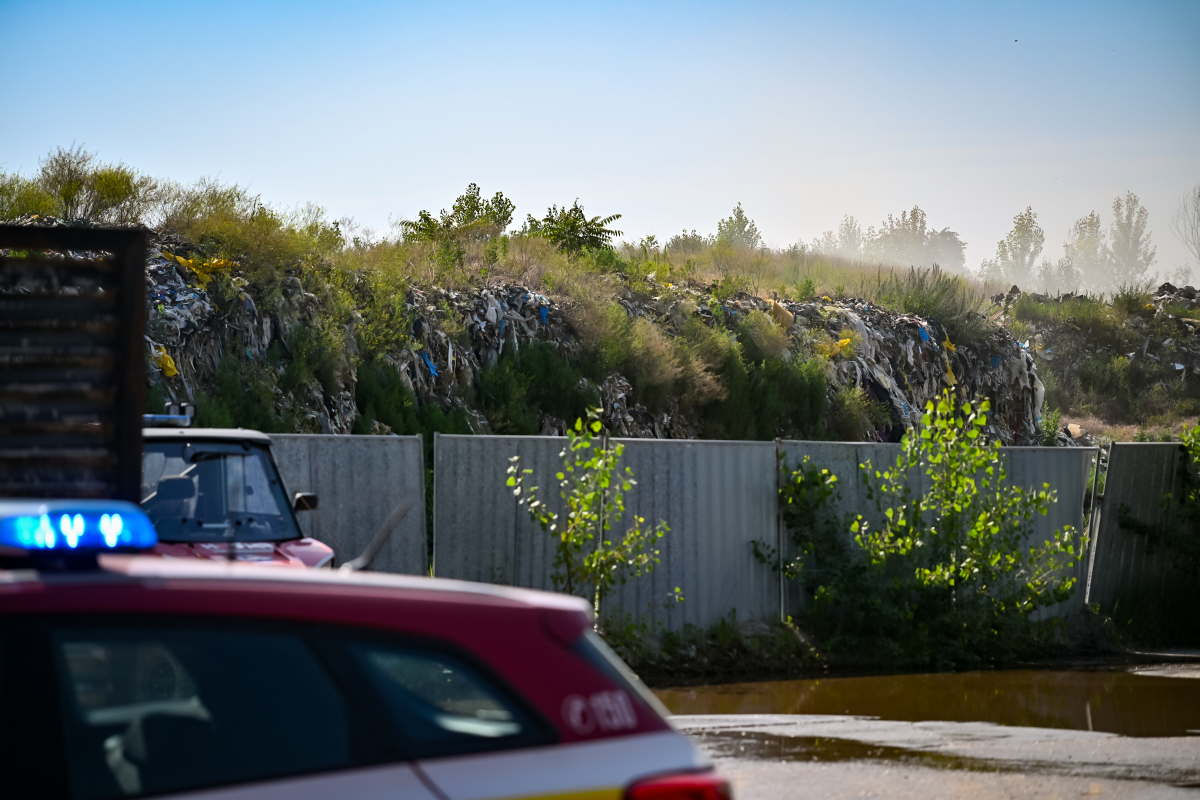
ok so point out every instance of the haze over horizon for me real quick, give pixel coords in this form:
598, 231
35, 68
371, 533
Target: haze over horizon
666, 113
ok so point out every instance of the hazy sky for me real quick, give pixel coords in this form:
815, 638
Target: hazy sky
666, 113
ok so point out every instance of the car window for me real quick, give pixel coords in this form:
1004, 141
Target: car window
214, 492
152, 710
440, 705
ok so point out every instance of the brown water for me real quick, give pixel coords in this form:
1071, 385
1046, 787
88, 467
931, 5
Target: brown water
1116, 702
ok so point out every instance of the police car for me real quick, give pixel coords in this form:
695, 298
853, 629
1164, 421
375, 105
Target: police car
130, 676
216, 494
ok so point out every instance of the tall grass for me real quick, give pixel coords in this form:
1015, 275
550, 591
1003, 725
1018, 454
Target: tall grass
950, 299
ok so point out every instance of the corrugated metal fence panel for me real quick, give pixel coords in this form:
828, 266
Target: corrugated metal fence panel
480, 533
843, 460
1065, 469
717, 497
359, 481
1123, 570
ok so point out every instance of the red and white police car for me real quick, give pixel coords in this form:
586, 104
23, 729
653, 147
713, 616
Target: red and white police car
131, 676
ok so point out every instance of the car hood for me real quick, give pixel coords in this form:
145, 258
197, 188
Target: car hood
304, 552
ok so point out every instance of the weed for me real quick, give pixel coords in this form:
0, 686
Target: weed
853, 416
1051, 426
382, 395
1130, 300
639, 350
727, 650
241, 397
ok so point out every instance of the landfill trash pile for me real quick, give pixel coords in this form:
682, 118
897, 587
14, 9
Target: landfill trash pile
1073, 435
1129, 358
899, 360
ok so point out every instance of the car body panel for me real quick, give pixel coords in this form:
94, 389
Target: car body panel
599, 770
390, 782
519, 633
304, 552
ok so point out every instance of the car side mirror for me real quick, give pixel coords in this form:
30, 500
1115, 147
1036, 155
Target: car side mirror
177, 487
304, 501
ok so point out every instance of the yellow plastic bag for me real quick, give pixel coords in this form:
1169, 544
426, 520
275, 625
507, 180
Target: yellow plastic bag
165, 363
203, 270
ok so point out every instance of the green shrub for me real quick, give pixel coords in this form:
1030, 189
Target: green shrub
241, 397
20, 195
382, 395
761, 338
759, 399
556, 386
503, 395
638, 349
537, 380
964, 547
720, 653
156, 401
1130, 300
315, 353
853, 415
1106, 375
950, 577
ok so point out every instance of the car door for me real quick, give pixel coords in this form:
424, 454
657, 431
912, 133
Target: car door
475, 739
215, 708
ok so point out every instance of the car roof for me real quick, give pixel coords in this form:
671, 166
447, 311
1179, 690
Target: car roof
236, 434
161, 573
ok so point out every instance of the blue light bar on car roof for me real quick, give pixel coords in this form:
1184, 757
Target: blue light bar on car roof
75, 525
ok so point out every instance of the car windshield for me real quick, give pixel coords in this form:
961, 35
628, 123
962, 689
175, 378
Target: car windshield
214, 492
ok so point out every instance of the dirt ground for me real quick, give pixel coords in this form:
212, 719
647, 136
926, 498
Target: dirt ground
1117, 432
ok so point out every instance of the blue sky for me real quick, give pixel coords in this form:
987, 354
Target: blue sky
668, 113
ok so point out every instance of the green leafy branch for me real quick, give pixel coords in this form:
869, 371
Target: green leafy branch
587, 562
967, 533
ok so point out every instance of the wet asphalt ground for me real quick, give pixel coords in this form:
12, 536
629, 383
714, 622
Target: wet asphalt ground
783, 756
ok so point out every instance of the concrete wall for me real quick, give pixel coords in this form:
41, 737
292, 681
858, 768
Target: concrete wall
359, 480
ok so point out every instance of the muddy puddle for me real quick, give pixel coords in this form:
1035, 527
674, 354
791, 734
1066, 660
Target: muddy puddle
773, 747
1121, 702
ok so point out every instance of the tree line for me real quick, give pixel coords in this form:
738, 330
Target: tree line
1107, 261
